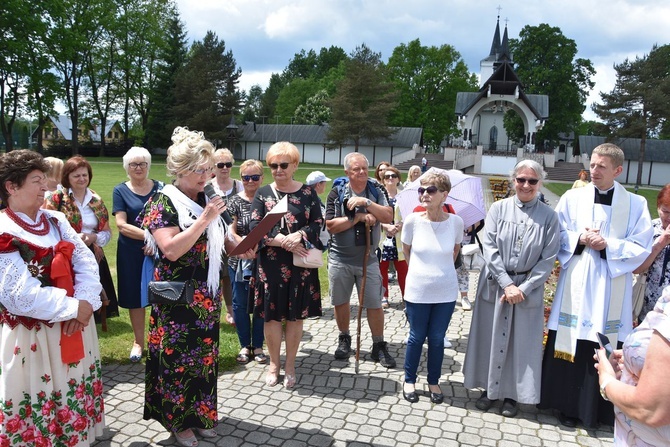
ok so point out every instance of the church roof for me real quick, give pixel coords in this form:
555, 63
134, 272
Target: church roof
503, 81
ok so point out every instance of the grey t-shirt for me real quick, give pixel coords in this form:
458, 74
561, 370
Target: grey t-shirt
343, 246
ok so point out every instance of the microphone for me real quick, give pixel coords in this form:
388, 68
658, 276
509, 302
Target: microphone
225, 215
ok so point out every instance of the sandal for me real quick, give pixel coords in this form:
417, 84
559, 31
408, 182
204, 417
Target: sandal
259, 356
243, 357
385, 303
136, 353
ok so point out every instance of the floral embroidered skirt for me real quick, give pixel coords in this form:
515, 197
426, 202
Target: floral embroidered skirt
43, 401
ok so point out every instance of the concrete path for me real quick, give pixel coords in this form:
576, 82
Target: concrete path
333, 406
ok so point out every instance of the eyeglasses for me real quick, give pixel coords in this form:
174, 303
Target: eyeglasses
430, 190
530, 181
248, 178
142, 165
390, 175
201, 171
222, 165
284, 166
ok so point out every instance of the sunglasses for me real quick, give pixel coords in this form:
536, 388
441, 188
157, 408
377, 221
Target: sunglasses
390, 176
530, 181
430, 190
142, 165
248, 178
284, 166
222, 165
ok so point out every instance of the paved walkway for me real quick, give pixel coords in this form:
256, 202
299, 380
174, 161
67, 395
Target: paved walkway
333, 406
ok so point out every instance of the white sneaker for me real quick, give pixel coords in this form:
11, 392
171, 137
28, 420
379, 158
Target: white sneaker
447, 343
465, 303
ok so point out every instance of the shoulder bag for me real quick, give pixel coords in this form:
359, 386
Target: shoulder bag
171, 292
314, 257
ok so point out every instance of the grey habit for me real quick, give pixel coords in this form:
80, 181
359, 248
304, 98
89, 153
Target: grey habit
504, 354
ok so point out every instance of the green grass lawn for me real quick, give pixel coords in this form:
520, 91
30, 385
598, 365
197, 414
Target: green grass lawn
115, 344
107, 173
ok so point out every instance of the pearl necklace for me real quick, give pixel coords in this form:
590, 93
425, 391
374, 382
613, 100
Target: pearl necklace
41, 228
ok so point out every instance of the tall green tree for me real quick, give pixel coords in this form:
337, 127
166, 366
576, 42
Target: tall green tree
141, 31
547, 64
315, 110
428, 79
639, 104
363, 101
75, 29
206, 88
161, 119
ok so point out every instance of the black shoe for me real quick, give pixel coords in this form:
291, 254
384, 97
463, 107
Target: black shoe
411, 397
344, 347
381, 354
509, 408
484, 403
436, 398
567, 420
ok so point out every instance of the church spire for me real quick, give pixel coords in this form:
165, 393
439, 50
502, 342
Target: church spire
504, 54
495, 45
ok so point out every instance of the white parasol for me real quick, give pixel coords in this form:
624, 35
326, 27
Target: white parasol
466, 196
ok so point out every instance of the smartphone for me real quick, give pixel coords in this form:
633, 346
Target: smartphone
605, 343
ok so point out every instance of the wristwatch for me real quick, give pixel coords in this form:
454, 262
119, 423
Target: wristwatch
603, 392
368, 202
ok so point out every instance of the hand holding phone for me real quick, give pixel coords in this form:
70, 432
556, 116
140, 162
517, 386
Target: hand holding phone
605, 343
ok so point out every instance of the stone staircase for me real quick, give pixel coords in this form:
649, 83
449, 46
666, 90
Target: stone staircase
564, 171
436, 160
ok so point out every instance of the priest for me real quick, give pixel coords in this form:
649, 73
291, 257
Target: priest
606, 233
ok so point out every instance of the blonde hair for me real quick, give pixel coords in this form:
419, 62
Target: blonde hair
188, 151
55, 168
441, 181
251, 164
222, 152
283, 148
612, 151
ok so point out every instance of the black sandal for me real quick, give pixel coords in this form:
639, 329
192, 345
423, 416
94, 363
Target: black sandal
259, 357
243, 357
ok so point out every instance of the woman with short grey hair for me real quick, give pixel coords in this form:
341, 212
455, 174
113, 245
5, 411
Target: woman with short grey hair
128, 199
520, 240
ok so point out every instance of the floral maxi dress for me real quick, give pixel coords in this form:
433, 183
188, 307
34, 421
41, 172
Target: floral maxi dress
182, 365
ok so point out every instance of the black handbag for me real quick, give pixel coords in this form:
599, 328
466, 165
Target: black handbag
171, 292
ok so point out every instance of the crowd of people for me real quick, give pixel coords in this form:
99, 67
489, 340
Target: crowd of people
55, 283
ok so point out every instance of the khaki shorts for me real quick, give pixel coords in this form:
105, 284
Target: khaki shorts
342, 278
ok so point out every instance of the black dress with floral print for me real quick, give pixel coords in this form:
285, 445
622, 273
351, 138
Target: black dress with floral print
183, 343
279, 290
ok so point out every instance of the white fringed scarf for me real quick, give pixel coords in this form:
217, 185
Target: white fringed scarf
188, 211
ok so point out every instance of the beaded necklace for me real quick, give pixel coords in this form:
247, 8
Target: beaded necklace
41, 228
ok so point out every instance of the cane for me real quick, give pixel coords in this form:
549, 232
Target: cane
361, 294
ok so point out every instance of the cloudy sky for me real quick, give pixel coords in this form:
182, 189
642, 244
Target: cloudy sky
265, 34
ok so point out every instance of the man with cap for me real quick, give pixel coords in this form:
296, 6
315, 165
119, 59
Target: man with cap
318, 180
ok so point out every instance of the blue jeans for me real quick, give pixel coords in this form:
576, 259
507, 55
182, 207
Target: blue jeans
243, 321
426, 321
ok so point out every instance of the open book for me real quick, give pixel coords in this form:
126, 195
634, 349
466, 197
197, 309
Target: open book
263, 227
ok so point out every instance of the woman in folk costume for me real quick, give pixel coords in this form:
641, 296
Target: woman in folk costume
88, 215
183, 342
51, 381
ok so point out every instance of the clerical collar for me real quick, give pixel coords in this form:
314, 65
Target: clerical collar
604, 197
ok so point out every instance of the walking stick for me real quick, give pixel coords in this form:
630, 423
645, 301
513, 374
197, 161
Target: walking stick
361, 294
